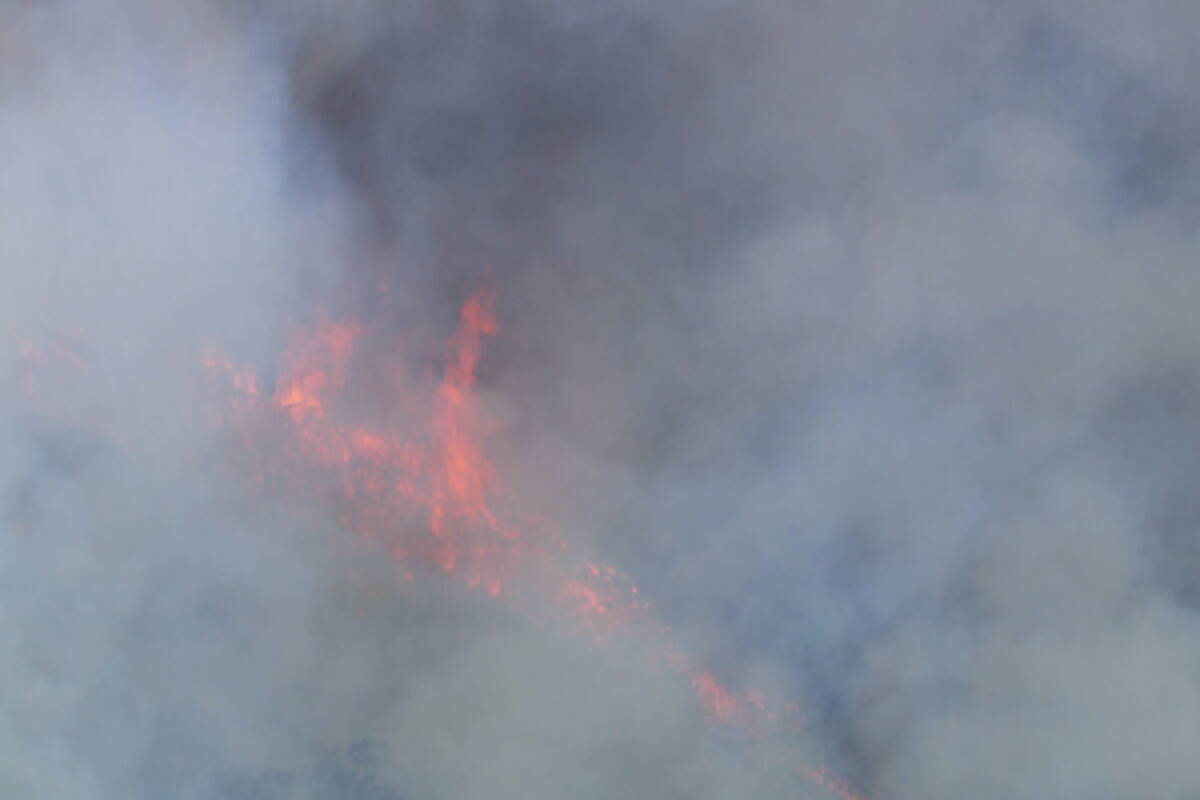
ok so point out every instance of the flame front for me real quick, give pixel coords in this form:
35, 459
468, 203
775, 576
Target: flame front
420, 485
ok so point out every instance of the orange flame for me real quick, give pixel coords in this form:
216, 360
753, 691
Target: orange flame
381, 475
422, 487
314, 364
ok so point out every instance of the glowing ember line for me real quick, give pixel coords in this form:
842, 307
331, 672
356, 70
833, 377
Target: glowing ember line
377, 477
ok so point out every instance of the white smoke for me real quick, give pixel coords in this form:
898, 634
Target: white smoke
862, 339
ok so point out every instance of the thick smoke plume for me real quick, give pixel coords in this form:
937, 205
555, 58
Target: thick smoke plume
860, 337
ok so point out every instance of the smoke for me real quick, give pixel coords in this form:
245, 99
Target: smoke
862, 339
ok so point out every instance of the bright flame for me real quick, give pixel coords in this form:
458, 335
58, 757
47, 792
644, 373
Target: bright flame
315, 364
386, 477
420, 485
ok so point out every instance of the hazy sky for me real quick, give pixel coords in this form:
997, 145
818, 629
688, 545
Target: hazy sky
861, 336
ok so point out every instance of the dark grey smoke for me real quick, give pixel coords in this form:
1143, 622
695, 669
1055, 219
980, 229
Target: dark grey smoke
862, 337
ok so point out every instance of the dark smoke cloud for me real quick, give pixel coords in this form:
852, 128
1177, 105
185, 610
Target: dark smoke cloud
862, 338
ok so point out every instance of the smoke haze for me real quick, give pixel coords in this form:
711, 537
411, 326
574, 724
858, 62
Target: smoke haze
862, 338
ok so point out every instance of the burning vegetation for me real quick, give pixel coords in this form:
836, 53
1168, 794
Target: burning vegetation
417, 483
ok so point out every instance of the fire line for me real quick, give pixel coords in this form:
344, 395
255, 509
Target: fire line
430, 496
